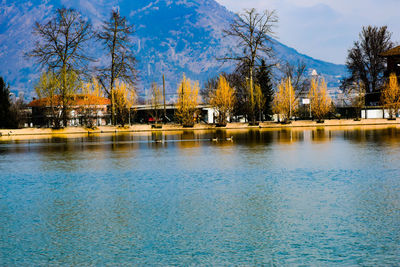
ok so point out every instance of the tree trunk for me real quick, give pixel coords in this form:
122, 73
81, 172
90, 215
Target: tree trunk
165, 109
64, 97
252, 115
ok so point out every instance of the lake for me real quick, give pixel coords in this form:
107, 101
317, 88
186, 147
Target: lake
309, 196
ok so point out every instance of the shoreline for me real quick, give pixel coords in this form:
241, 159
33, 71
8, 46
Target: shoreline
137, 128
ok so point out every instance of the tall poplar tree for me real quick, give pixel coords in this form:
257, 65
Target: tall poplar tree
222, 100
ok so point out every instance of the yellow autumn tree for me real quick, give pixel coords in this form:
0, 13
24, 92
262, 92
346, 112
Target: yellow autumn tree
92, 88
186, 105
88, 99
59, 90
321, 103
391, 96
222, 100
155, 100
259, 100
124, 97
48, 88
70, 83
285, 103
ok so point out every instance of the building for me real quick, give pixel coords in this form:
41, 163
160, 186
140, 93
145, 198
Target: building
95, 111
392, 66
144, 113
83, 110
393, 61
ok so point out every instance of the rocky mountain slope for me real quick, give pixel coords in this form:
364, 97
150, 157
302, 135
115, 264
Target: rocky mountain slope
172, 37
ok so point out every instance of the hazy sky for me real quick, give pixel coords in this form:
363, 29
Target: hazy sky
325, 29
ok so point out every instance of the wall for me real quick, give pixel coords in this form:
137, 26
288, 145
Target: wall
374, 114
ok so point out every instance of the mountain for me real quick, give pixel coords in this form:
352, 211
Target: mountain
172, 37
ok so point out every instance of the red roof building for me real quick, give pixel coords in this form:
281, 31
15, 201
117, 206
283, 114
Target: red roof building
75, 101
83, 110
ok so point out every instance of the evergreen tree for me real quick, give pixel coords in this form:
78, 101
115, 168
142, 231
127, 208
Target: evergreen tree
264, 79
5, 105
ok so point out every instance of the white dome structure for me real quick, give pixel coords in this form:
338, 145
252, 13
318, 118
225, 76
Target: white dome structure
314, 73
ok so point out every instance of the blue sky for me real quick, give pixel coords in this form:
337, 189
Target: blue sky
325, 29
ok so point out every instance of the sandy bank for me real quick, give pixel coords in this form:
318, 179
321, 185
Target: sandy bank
174, 127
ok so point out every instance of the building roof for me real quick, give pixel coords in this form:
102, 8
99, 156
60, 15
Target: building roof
77, 100
392, 52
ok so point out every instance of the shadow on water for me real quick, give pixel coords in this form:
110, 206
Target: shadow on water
193, 139
388, 135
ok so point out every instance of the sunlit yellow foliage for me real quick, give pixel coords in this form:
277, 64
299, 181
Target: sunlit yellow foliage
90, 92
313, 89
321, 103
48, 86
124, 97
391, 95
285, 103
88, 101
222, 99
92, 88
188, 92
64, 84
58, 89
155, 100
70, 84
259, 99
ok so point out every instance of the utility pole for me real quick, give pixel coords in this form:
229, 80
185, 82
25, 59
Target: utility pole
290, 104
182, 92
253, 119
165, 109
129, 115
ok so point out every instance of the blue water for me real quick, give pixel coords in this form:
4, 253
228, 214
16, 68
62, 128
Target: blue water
301, 197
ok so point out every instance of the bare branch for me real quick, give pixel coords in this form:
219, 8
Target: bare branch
115, 36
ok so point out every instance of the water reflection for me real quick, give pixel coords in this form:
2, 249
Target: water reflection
285, 197
376, 135
321, 135
187, 139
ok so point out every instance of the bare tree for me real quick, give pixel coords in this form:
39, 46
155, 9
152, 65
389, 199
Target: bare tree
60, 48
298, 75
364, 61
115, 35
356, 93
253, 32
